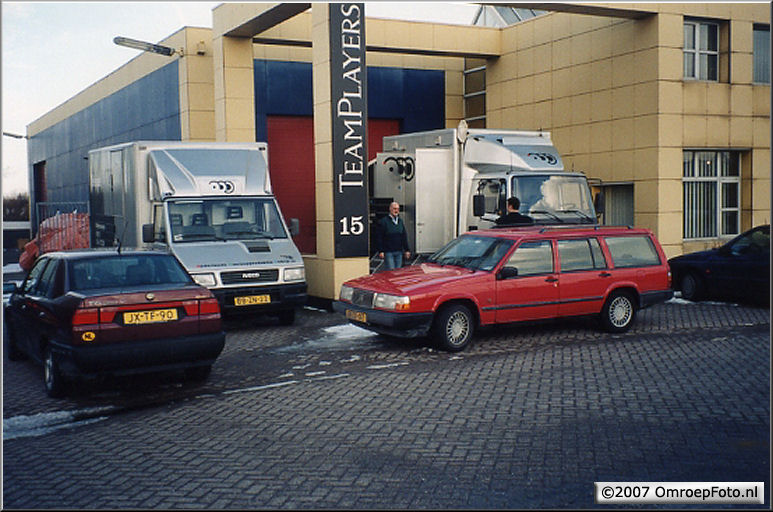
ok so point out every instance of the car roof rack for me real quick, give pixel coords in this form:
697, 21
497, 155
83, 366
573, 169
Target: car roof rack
595, 227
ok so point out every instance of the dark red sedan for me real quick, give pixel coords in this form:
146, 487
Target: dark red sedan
89, 313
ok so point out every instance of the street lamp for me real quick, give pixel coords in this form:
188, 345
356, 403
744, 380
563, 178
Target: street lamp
145, 46
15, 135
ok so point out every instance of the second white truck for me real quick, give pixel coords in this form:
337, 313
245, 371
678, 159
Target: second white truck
451, 181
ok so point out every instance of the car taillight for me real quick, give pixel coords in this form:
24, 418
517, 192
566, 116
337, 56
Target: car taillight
209, 307
86, 316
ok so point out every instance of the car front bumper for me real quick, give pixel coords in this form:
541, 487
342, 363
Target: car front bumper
145, 356
405, 325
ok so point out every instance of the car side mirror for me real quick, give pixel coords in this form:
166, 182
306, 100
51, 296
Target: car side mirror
725, 250
295, 227
478, 205
507, 273
148, 236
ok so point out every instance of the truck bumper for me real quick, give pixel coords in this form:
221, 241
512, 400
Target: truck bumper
280, 298
404, 325
134, 357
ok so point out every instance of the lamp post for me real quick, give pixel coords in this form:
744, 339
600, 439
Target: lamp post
146, 47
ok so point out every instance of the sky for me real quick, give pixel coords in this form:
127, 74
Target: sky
53, 50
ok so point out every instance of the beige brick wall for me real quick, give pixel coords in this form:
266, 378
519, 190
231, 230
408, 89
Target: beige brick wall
612, 93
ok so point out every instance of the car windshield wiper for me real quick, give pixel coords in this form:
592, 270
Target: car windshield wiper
578, 212
551, 214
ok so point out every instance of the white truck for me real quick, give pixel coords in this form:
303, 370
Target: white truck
451, 181
212, 206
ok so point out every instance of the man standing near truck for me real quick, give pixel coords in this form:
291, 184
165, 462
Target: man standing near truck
392, 239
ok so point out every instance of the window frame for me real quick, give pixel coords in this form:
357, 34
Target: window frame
760, 27
734, 158
697, 52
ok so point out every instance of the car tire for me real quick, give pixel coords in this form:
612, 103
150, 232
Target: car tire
198, 374
692, 286
453, 328
52, 376
14, 353
619, 312
287, 317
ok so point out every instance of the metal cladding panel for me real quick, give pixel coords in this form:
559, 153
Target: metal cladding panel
146, 109
416, 97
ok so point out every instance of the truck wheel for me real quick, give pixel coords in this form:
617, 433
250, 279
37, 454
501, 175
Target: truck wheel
692, 287
618, 313
199, 373
453, 328
52, 376
287, 317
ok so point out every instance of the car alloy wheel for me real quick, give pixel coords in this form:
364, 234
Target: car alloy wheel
618, 312
454, 328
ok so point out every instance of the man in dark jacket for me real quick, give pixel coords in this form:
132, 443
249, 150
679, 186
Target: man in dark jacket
392, 239
512, 216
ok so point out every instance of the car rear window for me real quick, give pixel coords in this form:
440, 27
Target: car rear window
632, 251
129, 270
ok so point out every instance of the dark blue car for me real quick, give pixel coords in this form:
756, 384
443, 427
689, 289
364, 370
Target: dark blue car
738, 270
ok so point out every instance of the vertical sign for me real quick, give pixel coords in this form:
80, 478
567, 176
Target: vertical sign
349, 95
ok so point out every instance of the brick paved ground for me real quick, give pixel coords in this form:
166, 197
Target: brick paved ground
302, 417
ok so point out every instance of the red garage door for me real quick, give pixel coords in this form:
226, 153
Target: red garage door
291, 159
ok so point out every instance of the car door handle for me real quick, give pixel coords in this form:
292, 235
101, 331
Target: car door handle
551, 279
605, 274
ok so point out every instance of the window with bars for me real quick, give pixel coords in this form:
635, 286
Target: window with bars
761, 54
712, 193
701, 50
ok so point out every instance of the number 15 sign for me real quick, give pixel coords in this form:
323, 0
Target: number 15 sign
348, 87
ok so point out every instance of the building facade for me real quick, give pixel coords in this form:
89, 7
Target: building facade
666, 107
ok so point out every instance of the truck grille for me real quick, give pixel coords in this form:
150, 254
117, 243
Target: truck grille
362, 298
250, 276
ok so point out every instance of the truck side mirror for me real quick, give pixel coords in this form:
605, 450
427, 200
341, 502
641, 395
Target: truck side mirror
598, 203
478, 205
148, 236
295, 227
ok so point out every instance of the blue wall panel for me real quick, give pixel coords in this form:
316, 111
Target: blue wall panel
147, 109
414, 96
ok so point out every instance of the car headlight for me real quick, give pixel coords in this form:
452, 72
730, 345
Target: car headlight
295, 274
204, 279
347, 292
384, 301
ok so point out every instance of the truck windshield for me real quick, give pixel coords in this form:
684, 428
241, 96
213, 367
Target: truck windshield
196, 220
555, 199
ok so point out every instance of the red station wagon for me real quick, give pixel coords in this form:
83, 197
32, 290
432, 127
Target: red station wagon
516, 274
